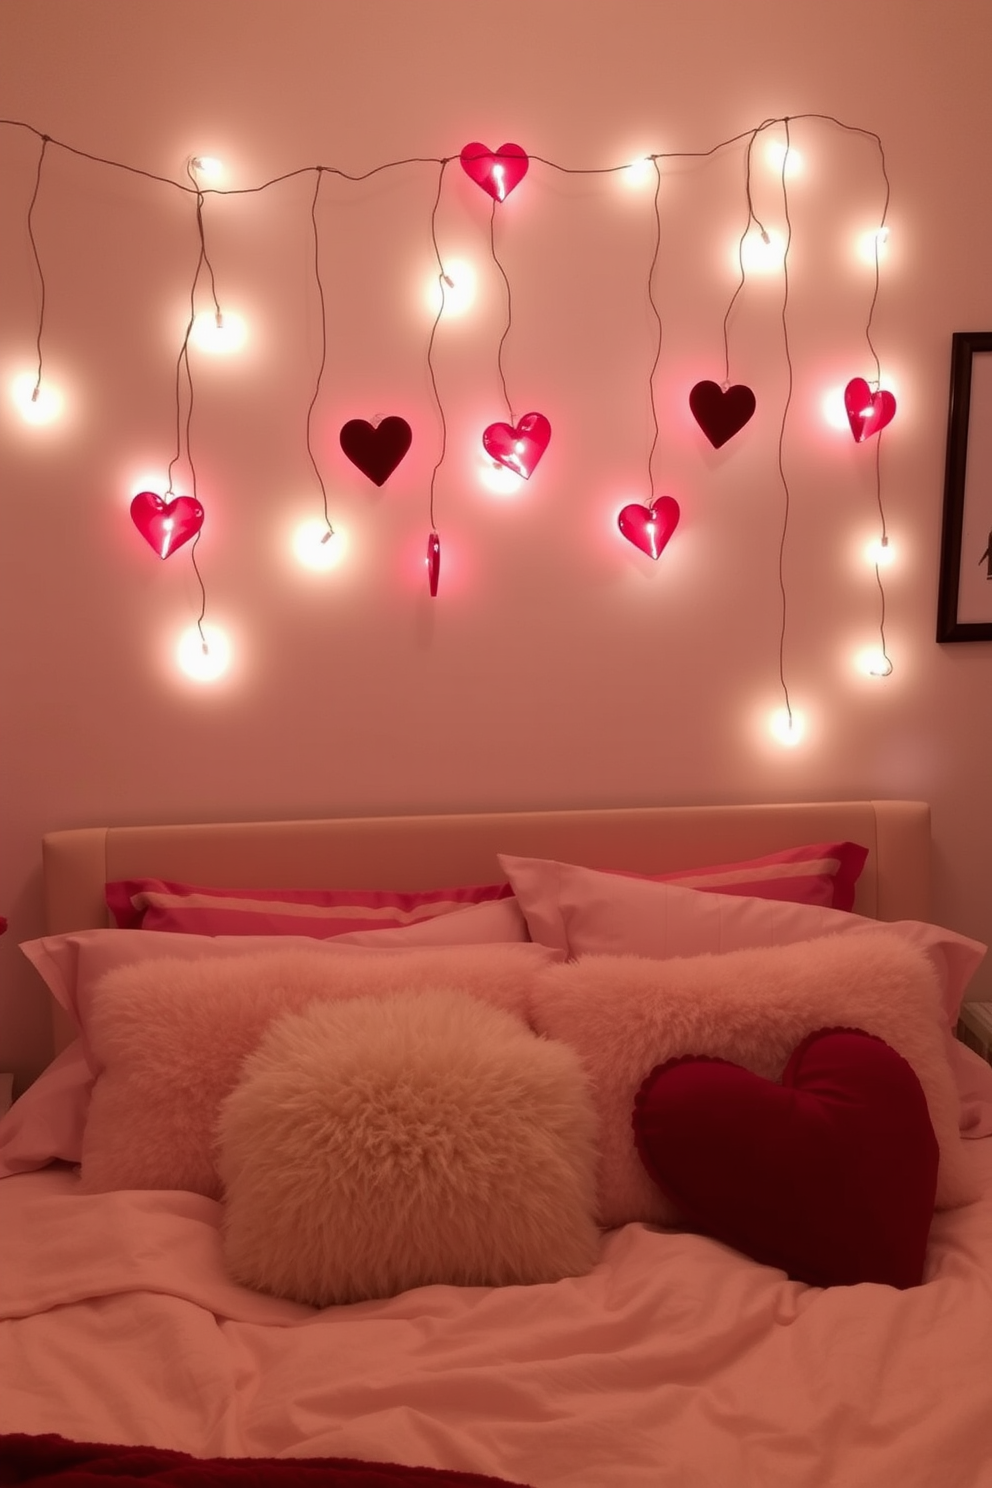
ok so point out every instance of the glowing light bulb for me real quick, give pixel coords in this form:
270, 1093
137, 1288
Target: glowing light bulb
873, 245
762, 251
37, 403
206, 166
638, 173
879, 552
219, 332
778, 155
316, 547
203, 658
451, 292
787, 727
499, 181
874, 663
499, 479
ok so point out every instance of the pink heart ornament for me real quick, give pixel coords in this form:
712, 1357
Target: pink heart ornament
867, 412
166, 525
518, 446
496, 171
650, 527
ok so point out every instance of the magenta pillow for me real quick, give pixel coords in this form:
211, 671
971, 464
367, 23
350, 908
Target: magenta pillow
822, 873
186, 909
830, 1175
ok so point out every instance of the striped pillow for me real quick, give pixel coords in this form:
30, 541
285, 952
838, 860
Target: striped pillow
823, 873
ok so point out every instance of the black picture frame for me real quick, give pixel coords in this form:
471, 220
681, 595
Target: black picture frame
961, 523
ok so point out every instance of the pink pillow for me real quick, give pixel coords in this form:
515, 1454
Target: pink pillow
46, 1123
157, 904
830, 1175
626, 1014
819, 873
165, 1022
583, 912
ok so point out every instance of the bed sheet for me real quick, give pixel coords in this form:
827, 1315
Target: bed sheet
676, 1363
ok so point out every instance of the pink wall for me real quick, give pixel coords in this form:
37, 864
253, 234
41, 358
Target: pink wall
558, 666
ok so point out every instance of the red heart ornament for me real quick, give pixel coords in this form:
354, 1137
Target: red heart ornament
650, 527
867, 412
376, 449
518, 446
830, 1175
166, 525
433, 562
496, 171
721, 412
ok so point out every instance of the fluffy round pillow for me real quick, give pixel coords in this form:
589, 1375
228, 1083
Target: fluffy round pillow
379, 1144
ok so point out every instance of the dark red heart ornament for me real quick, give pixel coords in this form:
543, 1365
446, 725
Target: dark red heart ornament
650, 527
721, 412
518, 446
166, 525
830, 1175
496, 171
376, 449
867, 412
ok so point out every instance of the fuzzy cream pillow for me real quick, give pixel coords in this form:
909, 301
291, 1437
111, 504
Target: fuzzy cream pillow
379, 1144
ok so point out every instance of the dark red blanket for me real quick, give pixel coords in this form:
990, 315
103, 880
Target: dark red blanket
44, 1460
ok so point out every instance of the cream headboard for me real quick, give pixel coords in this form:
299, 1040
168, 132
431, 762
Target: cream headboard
417, 852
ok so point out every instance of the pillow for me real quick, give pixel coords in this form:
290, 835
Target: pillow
830, 1175
625, 1014
157, 904
165, 1035
818, 873
380, 1144
582, 911
45, 1124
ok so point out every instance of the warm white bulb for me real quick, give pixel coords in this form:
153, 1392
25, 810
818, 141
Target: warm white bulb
638, 173
499, 479
777, 154
36, 403
219, 332
874, 663
788, 728
316, 547
203, 658
206, 166
758, 255
873, 245
879, 553
451, 289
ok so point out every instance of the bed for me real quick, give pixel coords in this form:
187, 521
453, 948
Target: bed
632, 1269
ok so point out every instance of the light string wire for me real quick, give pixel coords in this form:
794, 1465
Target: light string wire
781, 433
886, 669
444, 282
315, 232
509, 309
37, 260
660, 331
752, 216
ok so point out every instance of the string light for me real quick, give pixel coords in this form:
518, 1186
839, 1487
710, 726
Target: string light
788, 727
784, 160
316, 547
219, 332
873, 246
208, 167
638, 173
452, 292
36, 402
203, 653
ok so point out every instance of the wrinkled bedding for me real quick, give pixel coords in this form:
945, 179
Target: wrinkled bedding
677, 1363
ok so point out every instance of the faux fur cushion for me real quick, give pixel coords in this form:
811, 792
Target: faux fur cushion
166, 1038
625, 1014
375, 1145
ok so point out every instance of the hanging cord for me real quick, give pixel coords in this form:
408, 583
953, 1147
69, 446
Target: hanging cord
509, 310
37, 260
323, 352
444, 282
782, 427
657, 316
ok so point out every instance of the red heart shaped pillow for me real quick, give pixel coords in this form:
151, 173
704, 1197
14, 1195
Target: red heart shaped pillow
830, 1175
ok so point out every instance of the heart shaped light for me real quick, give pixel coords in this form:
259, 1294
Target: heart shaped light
518, 446
433, 562
496, 171
376, 449
166, 525
867, 412
721, 412
650, 527
830, 1175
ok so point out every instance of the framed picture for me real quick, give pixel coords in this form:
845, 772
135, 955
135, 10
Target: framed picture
964, 596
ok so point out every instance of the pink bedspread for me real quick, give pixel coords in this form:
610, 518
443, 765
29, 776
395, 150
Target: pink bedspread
676, 1364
